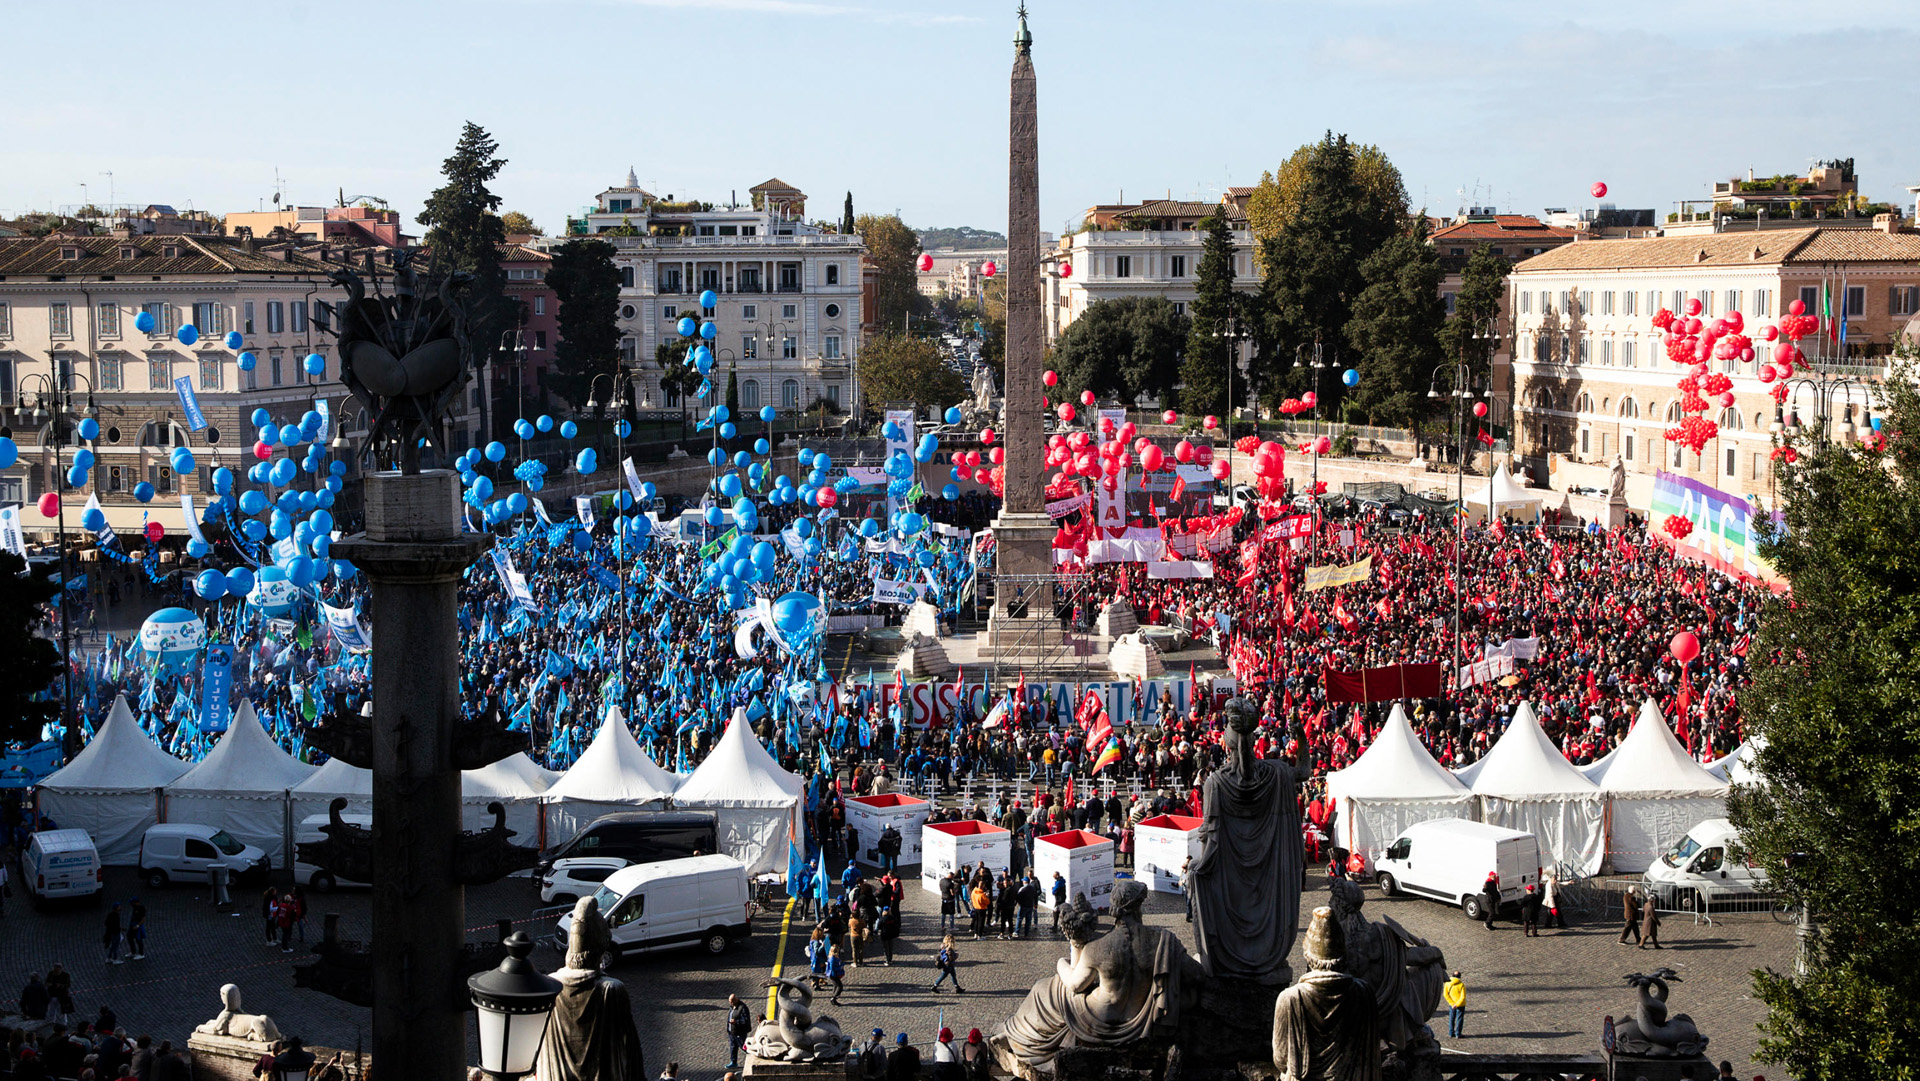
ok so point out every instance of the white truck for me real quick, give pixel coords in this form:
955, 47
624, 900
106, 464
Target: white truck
60, 864
1448, 859
1708, 866
700, 900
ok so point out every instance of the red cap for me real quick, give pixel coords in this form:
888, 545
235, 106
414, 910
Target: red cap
946, 1035
973, 1035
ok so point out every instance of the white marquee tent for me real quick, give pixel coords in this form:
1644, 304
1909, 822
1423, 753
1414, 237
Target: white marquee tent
518, 783
1737, 766
1525, 783
613, 774
112, 787
241, 786
1656, 792
1501, 494
335, 779
757, 802
1392, 785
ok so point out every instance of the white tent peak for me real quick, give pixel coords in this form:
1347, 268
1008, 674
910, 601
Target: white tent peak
1650, 761
613, 768
1501, 491
739, 773
120, 756
1396, 765
245, 760
513, 777
337, 778
1524, 764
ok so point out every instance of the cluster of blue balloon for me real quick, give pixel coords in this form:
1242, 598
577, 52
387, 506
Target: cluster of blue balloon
300, 522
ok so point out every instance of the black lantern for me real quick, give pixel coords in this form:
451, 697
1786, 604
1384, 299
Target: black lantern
514, 1004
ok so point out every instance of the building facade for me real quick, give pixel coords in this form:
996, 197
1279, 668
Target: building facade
525, 352
790, 306
1591, 379
68, 312
1138, 250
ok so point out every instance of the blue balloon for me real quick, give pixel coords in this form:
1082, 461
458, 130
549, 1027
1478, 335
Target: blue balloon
767, 413
517, 503
568, 429
315, 364
587, 462
188, 334
950, 493
715, 516
762, 447
93, 518
869, 527
325, 498
322, 522
764, 556
198, 548
254, 528
640, 525
144, 322
252, 502
622, 429
806, 456
523, 428
482, 489
9, 452
89, 428
730, 485
708, 299
300, 571
83, 458
143, 492
953, 414
240, 581
280, 525
77, 478
261, 417
544, 424
728, 431
1350, 377
648, 490
496, 450
709, 331
686, 326
248, 361
282, 473
822, 461
334, 484
183, 460
291, 435
234, 340
222, 480
344, 570
321, 546
338, 469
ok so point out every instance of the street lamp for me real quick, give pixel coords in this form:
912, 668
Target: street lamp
513, 1005
60, 395
1461, 391
617, 402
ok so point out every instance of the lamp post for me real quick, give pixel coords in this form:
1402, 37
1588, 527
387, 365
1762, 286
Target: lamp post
57, 422
514, 343
769, 341
617, 401
1234, 333
1460, 392
513, 1005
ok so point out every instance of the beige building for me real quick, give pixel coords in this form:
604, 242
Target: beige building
1138, 250
1591, 380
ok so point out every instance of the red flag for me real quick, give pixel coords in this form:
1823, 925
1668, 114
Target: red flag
1179, 488
1089, 704
1498, 529
1069, 800
1486, 437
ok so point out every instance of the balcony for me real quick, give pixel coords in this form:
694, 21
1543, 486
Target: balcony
788, 287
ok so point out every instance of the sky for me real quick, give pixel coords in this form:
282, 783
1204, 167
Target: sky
213, 105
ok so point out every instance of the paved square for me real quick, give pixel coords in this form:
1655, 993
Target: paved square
1546, 994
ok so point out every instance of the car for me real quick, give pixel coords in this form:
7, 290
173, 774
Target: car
640, 837
1709, 864
569, 880
701, 900
188, 851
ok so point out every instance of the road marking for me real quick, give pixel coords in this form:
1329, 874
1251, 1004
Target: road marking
780, 952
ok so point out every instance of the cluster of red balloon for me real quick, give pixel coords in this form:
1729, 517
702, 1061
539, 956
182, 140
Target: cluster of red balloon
1694, 344
1676, 527
1301, 404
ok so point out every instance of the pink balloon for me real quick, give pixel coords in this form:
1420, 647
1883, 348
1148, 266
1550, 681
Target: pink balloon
926, 263
1599, 189
1322, 445
987, 436
50, 505
988, 269
1050, 378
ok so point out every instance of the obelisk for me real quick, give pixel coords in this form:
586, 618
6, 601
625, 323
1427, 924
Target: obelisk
1023, 622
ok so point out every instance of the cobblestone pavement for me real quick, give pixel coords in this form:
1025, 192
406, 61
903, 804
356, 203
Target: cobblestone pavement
1546, 994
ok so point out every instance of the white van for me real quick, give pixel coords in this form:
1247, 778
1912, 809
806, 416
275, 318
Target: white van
186, 851
1448, 859
1708, 865
59, 864
658, 906
319, 878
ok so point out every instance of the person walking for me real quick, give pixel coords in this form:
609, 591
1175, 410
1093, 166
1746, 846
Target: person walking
110, 935
1059, 892
1454, 991
948, 960
269, 901
1630, 915
1530, 912
856, 937
904, 1063
1555, 918
137, 930
739, 1027
1650, 922
889, 927
836, 972
1490, 898
818, 949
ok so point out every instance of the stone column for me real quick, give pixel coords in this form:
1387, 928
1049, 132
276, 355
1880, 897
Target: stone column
412, 554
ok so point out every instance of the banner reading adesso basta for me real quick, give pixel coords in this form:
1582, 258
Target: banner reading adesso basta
1723, 536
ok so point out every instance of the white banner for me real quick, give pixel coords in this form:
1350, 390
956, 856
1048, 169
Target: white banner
633, 479
583, 507
540, 511
888, 591
1177, 568
12, 537
347, 629
193, 520
1112, 501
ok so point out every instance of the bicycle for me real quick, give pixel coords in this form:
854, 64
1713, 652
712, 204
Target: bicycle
1786, 912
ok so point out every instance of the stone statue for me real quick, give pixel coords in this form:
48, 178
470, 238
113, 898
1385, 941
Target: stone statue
794, 1034
1403, 970
1617, 483
1325, 1027
234, 1023
1112, 992
983, 389
1650, 1031
591, 1036
1246, 879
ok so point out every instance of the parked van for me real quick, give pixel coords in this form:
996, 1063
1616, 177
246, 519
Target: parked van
1447, 859
1708, 865
640, 837
188, 850
60, 864
318, 878
657, 906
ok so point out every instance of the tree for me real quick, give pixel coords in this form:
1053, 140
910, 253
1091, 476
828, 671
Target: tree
1467, 335
465, 233
1313, 263
896, 368
1121, 348
891, 247
846, 217
1834, 711
677, 373
1396, 325
29, 661
1278, 197
514, 223
733, 394
586, 281
1209, 349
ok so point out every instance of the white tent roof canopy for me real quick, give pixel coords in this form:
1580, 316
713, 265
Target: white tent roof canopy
1395, 766
1501, 491
119, 757
515, 777
1651, 762
246, 762
336, 778
613, 768
739, 773
1524, 764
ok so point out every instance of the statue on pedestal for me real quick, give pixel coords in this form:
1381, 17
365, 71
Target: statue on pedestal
794, 1034
1114, 991
1326, 1027
591, 1036
1650, 1031
233, 1023
1404, 971
1246, 879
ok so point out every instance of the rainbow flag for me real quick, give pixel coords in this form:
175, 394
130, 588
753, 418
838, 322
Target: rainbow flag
1107, 757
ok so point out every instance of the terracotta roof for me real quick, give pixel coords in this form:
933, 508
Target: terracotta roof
1239, 192
775, 184
1503, 227
1171, 208
101, 255
522, 253
1802, 246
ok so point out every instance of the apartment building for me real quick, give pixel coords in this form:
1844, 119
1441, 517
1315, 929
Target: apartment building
1144, 249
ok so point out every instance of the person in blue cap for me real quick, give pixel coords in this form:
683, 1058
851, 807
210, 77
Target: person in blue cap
904, 1063
873, 1057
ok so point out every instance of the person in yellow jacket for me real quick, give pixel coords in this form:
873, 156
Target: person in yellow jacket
1455, 993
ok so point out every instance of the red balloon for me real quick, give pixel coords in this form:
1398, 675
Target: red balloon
988, 269
1183, 451
1169, 417
1066, 270
50, 505
1065, 410
1685, 647
1220, 469
1693, 308
1798, 307
1309, 399
987, 436
1599, 189
826, 497
1479, 409
1211, 423
926, 263
1086, 397
998, 455
155, 531
963, 472
1050, 378
1127, 431
1152, 458
262, 451
1203, 453
1322, 445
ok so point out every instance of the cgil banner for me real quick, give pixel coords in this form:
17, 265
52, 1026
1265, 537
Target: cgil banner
1725, 535
934, 701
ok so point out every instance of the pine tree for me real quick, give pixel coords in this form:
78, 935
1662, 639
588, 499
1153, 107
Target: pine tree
1467, 335
29, 661
1205, 372
1835, 712
846, 217
464, 232
587, 283
1395, 327
733, 396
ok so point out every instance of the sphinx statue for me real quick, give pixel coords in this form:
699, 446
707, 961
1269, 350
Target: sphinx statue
795, 1033
1246, 879
591, 1036
1650, 1031
1326, 1027
1403, 970
235, 1023
1114, 991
